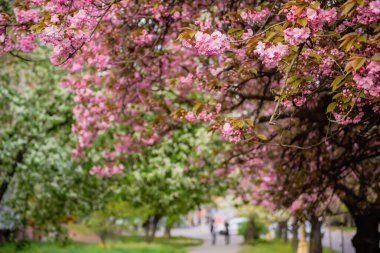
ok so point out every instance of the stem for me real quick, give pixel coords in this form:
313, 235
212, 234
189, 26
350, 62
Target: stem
284, 85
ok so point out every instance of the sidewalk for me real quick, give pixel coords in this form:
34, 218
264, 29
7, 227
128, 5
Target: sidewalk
202, 232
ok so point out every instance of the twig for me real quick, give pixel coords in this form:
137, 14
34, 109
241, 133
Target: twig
258, 33
92, 33
284, 85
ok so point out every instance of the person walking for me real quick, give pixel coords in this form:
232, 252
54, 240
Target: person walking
227, 233
213, 231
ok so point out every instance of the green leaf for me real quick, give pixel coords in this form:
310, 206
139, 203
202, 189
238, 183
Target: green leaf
317, 56
376, 57
249, 122
336, 96
38, 27
253, 71
234, 30
197, 108
337, 82
299, 10
278, 39
262, 137
331, 107
296, 83
270, 35
293, 78
302, 22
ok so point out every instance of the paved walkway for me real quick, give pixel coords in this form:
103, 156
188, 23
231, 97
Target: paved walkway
202, 232
336, 241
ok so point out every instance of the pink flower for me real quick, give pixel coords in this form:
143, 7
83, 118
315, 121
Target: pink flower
328, 16
375, 7
151, 140
272, 55
207, 44
186, 81
25, 16
190, 116
311, 14
227, 128
368, 83
55, 19
252, 17
25, 42
365, 15
51, 34
316, 18
296, 36
299, 101
107, 170
291, 16
144, 38
100, 61
373, 67
218, 107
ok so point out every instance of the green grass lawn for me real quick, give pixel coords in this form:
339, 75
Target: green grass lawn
262, 246
175, 241
94, 248
124, 244
348, 229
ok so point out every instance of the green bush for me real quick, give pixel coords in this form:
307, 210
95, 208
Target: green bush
260, 228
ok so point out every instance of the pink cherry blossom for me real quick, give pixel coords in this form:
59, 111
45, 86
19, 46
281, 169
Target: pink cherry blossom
375, 7
107, 170
252, 16
207, 44
270, 56
296, 36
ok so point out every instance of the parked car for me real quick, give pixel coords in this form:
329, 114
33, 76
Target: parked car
233, 225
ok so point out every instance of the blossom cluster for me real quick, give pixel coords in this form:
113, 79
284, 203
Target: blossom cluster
296, 36
91, 111
369, 13
270, 56
230, 133
252, 17
210, 44
369, 82
317, 17
25, 16
108, 170
203, 116
144, 38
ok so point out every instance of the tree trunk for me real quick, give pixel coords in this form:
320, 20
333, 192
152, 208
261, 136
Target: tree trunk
168, 233
153, 225
285, 232
103, 237
250, 233
279, 229
315, 235
367, 237
282, 231
5, 235
146, 226
10, 174
295, 234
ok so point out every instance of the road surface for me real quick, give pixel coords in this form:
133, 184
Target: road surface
336, 240
202, 232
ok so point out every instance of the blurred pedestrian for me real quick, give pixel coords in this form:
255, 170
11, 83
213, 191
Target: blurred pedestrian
213, 231
227, 232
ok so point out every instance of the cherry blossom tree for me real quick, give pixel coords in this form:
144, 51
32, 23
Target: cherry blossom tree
296, 80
